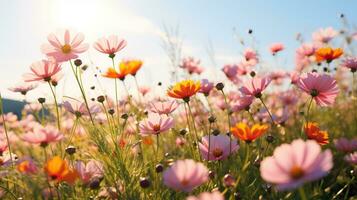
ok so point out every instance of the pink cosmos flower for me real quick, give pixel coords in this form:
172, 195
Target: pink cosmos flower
79, 108
144, 90
288, 98
56, 78
351, 158
216, 195
243, 69
180, 141
155, 124
3, 146
23, 88
220, 103
350, 63
163, 107
294, 77
110, 45
64, 45
230, 71
250, 57
191, 65
324, 35
242, 103
217, 147
42, 70
206, 87
294, 164
281, 115
276, 47
304, 56
346, 145
255, 87
43, 135
323, 88
92, 170
185, 175
9, 118
32, 107
277, 76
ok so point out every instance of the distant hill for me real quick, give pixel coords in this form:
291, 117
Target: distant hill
13, 106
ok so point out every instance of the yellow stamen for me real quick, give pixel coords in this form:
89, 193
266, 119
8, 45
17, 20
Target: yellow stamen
66, 49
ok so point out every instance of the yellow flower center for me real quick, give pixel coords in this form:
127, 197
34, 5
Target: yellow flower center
66, 48
296, 172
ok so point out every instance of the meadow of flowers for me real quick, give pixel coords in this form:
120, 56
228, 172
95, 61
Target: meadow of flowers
262, 133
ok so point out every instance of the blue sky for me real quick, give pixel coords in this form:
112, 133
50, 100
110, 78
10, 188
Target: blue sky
25, 25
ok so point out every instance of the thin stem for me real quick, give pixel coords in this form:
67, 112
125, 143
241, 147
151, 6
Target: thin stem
251, 116
193, 121
5, 129
47, 179
8, 191
189, 126
353, 84
246, 157
108, 119
74, 127
308, 110
82, 92
270, 115
302, 193
42, 114
194, 128
117, 101
209, 105
137, 87
229, 121
157, 143
209, 145
56, 107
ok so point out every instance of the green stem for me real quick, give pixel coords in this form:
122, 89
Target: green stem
117, 102
353, 84
302, 193
195, 130
138, 89
157, 143
82, 92
42, 114
56, 107
229, 121
270, 115
251, 116
246, 159
308, 110
5, 129
71, 134
189, 127
9, 191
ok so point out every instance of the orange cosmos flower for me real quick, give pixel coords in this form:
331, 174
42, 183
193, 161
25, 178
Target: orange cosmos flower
184, 89
328, 54
112, 73
130, 66
59, 170
243, 132
313, 132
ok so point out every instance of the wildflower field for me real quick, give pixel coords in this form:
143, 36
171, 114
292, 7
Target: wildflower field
261, 133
